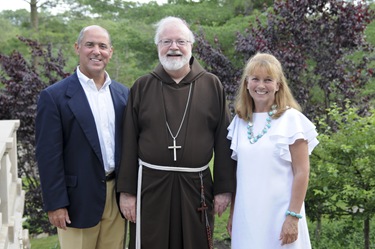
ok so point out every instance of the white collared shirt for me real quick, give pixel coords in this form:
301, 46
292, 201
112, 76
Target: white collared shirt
101, 105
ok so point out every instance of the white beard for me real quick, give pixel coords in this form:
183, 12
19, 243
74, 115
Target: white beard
173, 64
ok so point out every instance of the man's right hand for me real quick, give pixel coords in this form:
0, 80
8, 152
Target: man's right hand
59, 218
128, 206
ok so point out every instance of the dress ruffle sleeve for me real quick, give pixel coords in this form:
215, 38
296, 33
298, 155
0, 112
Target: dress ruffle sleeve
232, 135
291, 126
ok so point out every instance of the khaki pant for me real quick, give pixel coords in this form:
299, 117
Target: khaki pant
108, 234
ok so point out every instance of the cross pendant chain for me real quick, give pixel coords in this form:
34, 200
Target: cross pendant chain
174, 147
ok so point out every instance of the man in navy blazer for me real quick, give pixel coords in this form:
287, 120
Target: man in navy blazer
78, 145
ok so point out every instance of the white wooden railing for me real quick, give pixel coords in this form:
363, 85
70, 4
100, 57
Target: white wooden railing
12, 197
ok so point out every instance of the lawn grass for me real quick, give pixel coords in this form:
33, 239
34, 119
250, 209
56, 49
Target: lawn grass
50, 242
220, 230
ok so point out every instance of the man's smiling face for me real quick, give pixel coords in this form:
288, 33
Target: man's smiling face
95, 52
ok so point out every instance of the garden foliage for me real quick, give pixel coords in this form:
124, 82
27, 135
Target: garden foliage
315, 41
23, 80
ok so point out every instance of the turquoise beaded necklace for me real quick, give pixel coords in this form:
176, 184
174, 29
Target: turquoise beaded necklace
250, 133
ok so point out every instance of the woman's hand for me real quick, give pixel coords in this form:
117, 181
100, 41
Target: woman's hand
289, 231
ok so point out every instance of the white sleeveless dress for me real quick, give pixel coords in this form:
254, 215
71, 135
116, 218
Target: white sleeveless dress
264, 180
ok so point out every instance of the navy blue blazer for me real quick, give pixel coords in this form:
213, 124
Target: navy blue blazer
68, 151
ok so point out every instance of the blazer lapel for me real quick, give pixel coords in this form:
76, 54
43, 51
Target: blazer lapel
81, 109
118, 103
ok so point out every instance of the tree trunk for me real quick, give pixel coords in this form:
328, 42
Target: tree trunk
34, 15
366, 232
34, 24
318, 230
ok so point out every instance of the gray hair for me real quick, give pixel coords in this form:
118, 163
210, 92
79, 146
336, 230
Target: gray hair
82, 33
171, 19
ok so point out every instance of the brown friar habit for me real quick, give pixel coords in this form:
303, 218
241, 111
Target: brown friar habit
169, 200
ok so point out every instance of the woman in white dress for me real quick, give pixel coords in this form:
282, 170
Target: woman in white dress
271, 140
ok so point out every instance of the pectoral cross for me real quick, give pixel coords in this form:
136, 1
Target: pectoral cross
174, 147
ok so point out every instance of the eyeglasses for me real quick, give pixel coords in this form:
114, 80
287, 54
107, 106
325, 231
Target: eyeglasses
168, 43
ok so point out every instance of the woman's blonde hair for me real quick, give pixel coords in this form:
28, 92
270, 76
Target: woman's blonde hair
244, 103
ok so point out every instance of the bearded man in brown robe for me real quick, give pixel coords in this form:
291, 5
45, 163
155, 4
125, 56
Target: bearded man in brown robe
176, 121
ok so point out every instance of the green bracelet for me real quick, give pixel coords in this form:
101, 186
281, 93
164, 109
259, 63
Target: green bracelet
293, 214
